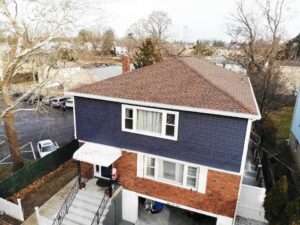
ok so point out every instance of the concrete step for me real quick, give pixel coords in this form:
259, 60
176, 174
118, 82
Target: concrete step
66, 221
91, 194
85, 197
86, 206
78, 219
81, 212
125, 223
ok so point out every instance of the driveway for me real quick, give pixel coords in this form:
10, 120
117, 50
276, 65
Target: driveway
32, 127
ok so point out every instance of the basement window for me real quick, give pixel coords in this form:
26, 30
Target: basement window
150, 122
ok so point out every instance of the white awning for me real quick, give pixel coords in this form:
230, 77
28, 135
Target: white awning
97, 154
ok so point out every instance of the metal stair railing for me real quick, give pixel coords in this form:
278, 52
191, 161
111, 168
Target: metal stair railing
67, 203
107, 195
100, 210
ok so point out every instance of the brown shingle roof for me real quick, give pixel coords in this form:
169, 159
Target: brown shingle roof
181, 81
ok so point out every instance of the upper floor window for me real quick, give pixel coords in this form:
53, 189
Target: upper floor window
149, 121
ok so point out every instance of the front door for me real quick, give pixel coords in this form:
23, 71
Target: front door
102, 171
106, 172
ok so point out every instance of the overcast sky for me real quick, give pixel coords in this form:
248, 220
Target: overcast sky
205, 19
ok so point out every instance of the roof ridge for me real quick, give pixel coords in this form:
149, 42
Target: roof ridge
214, 85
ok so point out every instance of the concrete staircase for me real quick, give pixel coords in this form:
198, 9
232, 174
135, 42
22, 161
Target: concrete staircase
85, 205
82, 210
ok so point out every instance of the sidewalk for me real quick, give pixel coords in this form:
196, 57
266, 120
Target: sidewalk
51, 207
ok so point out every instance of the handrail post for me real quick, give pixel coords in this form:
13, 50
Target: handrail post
79, 173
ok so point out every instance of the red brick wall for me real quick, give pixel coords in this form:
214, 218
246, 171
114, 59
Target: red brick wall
221, 189
86, 170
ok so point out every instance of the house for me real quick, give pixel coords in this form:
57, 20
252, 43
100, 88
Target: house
176, 132
291, 72
295, 134
119, 51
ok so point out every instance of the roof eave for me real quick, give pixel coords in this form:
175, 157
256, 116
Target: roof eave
250, 116
254, 99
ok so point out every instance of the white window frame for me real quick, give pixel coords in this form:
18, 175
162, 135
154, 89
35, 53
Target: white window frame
166, 181
164, 122
187, 176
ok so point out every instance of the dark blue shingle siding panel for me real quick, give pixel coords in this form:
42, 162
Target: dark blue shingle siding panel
214, 141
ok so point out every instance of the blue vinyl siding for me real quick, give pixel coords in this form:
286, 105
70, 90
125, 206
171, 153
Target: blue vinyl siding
214, 141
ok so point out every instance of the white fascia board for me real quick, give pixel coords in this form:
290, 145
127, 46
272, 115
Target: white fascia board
167, 106
246, 146
74, 120
255, 101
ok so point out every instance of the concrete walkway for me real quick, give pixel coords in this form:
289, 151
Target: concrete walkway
243, 221
50, 208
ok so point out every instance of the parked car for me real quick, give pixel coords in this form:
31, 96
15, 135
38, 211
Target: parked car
16, 95
45, 147
58, 101
70, 103
97, 65
25, 99
34, 98
47, 100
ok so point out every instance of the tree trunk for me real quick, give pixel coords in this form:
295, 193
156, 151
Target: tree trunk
13, 140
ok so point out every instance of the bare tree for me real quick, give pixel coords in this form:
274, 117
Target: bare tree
156, 26
33, 26
258, 33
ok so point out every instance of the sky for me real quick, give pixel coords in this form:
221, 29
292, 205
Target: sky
191, 19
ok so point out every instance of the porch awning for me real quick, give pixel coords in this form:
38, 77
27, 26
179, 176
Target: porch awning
98, 154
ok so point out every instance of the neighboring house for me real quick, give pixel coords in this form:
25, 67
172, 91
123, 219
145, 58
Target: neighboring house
224, 62
295, 133
177, 132
291, 71
88, 46
117, 50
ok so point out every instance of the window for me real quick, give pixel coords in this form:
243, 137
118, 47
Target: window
150, 167
172, 172
170, 126
151, 122
129, 119
191, 179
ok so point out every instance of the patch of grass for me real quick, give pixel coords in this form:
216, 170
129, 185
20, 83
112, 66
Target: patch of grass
282, 119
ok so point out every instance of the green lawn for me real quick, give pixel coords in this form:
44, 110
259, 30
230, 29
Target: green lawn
282, 120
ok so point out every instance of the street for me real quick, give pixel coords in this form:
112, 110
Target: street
35, 126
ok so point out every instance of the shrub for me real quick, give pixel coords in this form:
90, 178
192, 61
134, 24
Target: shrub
276, 200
